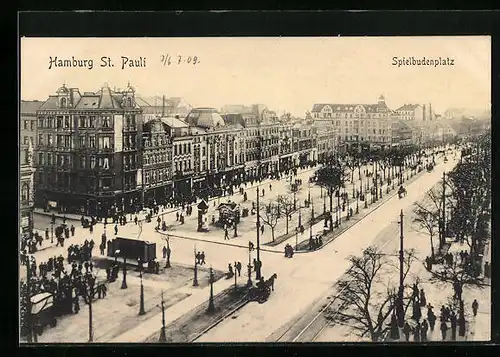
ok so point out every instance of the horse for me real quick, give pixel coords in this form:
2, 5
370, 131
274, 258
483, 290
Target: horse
270, 281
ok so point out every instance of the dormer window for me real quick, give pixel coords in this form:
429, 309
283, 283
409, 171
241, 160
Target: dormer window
129, 102
64, 103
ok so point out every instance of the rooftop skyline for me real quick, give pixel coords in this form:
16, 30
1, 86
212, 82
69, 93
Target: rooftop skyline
285, 74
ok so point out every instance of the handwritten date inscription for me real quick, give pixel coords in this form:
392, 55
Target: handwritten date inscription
168, 60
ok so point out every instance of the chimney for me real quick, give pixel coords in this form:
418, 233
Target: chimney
430, 111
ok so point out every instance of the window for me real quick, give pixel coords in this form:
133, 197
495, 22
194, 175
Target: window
59, 120
92, 142
32, 125
104, 142
175, 149
25, 140
83, 162
66, 122
106, 183
67, 142
40, 123
92, 121
49, 139
63, 102
25, 192
82, 141
50, 122
92, 162
40, 158
49, 159
82, 123
105, 121
25, 125
132, 120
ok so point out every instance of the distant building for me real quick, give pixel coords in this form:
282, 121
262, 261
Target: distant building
153, 107
358, 126
411, 112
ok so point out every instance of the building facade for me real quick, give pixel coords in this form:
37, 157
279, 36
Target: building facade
88, 151
156, 163
26, 190
358, 126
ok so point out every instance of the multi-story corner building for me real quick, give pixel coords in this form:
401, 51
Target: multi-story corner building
156, 162
359, 126
26, 186
88, 151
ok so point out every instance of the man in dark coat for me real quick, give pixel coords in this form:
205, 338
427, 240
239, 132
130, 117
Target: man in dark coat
423, 331
443, 329
453, 322
406, 331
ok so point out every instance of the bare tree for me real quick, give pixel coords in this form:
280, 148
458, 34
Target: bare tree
361, 306
269, 214
286, 205
427, 222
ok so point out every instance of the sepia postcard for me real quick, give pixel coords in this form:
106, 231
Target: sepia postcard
255, 189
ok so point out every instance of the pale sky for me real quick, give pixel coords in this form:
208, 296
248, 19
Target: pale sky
290, 73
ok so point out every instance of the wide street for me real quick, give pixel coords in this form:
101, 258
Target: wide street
307, 277
303, 273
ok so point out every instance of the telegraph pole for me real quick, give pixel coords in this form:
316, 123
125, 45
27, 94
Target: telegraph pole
29, 318
443, 230
163, 336
258, 272
399, 307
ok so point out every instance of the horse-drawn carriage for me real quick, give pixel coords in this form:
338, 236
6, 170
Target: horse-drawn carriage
42, 311
430, 167
401, 192
262, 290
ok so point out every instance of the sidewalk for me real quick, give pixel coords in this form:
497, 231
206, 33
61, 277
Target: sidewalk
148, 327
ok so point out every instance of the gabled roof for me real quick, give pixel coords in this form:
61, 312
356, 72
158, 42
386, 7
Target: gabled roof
108, 100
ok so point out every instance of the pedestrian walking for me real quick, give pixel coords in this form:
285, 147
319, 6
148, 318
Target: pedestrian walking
416, 334
262, 229
164, 251
177, 216
270, 187
487, 270
406, 331
453, 323
475, 306
158, 220
72, 230
423, 331
47, 234
91, 228
238, 268
135, 220
116, 229
198, 258
202, 257
423, 300
443, 329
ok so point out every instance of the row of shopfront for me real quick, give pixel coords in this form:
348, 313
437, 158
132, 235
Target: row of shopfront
183, 189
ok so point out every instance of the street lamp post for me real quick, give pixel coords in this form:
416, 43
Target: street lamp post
124, 281
141, 301
163, 335
51, 232
195, 279
211, 306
